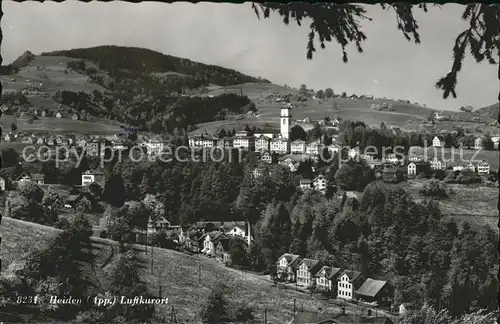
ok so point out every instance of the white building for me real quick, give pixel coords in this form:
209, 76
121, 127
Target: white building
412, 169
437, 141
437, 164
320, 183
348, 283
306, 272
415, 158
483, 168
298, 147
280, 145
305, 184
333, 148
478, 143
262, 143
313, 148
244, 142
392, 158
495, 140
154, 147
285, 121
352, 153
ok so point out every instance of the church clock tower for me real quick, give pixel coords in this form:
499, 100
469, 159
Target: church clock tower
285, 121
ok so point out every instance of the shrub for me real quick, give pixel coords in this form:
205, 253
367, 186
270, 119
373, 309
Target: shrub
433, 189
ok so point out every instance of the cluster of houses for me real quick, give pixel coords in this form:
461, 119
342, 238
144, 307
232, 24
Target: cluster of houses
439, 141
266, 142
93, 145
87, 178
345, 284
210, 238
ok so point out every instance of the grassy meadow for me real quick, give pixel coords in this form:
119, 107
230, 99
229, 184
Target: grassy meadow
178, 275
474, 204
405, 116
54, 126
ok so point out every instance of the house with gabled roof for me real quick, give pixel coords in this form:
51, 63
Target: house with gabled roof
313, 148
267, 157
326, 279
333, 148
438, 141
50, 140
59, 140
262, 143
438, 164
306, 272
38, 178
157, 224
322, 317
298, 147
279, 145
287, 264
478, 143
23, 177
222, 250
375, 291
91, 176
348, 283
320, 183
305, 184
210, 241
483, 168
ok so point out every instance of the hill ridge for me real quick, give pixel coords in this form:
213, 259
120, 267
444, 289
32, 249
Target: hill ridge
146, 60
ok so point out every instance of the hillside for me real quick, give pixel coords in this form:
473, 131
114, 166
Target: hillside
178, 275
489, 111
122, 85
148, 61
404, 115
113, 85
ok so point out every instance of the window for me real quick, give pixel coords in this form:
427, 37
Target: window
284, 121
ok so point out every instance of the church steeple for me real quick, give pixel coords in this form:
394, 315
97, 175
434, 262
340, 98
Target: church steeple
285, 121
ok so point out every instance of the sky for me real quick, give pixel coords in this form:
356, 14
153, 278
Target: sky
230, 35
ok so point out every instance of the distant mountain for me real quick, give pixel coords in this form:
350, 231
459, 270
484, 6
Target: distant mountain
489, 111
141, 60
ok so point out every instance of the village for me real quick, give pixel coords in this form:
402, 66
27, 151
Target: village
276, 147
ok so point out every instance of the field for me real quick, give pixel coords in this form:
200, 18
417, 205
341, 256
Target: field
405, 116
56, 126
49, 70
474, 204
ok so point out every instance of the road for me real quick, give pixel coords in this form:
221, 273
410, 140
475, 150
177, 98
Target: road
263, 279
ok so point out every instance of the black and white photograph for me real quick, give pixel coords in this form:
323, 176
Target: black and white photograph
252, 162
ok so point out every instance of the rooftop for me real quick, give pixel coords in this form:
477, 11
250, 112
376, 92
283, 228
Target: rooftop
371, 287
